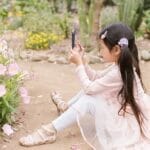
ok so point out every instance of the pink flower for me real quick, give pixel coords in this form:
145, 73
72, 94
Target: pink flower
7, 129
13, 69
2, 69
26, 99
23, 92
75, 147
24, 95
2, 90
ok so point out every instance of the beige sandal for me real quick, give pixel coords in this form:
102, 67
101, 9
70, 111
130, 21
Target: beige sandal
59, 103
46, 134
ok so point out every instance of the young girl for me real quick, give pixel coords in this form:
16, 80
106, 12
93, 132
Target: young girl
112, 110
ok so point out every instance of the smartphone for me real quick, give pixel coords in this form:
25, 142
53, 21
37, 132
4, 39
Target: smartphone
73, 37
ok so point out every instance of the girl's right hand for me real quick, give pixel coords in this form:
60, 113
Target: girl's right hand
82, 53
81, 49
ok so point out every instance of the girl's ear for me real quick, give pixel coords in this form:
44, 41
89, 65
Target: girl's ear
116, 50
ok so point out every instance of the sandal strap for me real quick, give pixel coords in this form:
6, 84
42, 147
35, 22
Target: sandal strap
56, 97
48, 131
60, 104
30, 139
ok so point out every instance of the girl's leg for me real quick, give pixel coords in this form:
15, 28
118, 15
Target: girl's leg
75, 98
80, 106
47, 133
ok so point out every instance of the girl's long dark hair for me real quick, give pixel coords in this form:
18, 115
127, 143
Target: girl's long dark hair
128, 60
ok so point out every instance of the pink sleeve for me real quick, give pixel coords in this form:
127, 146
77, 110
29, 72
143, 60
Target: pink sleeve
109, 81
91, 73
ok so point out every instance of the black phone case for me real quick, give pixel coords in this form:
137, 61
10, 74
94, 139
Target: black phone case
73, 39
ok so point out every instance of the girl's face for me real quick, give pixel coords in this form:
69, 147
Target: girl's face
106, 55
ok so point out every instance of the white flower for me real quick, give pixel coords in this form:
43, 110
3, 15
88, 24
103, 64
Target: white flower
2, 90
7, 129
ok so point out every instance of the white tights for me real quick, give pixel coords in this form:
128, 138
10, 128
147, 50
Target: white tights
80, 103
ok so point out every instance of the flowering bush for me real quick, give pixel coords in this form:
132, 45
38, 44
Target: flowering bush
41, 40
11, 79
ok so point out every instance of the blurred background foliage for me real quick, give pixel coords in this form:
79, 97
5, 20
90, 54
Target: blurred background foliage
56, 17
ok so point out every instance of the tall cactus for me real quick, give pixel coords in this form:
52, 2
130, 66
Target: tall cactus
89, 13
146, 4
130, 12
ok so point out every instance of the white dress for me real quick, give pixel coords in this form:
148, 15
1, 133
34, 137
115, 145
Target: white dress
107, 130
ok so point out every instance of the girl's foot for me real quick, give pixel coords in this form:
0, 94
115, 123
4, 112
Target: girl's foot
46, 134
59, 103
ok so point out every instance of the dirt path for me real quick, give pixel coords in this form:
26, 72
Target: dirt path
41, 110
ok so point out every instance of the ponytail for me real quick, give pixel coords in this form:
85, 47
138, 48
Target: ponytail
134, 52
125, 63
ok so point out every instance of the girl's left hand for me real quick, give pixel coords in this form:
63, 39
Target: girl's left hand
75, 57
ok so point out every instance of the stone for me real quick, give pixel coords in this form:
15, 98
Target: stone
57, 59
4, 146
52, 59
61, 60
145, 55
39, 57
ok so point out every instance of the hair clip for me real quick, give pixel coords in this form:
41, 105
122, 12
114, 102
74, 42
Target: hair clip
123, 41
103, 35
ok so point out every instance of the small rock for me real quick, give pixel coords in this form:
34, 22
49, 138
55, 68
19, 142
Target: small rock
61, 60
4, 146
7, 140
145, 55
52, 59
71, 134
39, 57
20, 125
40, 96
15, 129
57, 59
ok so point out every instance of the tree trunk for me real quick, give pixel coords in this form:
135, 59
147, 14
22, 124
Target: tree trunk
98, 4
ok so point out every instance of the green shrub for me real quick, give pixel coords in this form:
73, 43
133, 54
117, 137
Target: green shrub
31, 6
4, 9
15, 23
45, 21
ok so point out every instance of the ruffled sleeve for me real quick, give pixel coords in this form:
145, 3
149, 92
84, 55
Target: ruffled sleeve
109, 81
91, 73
